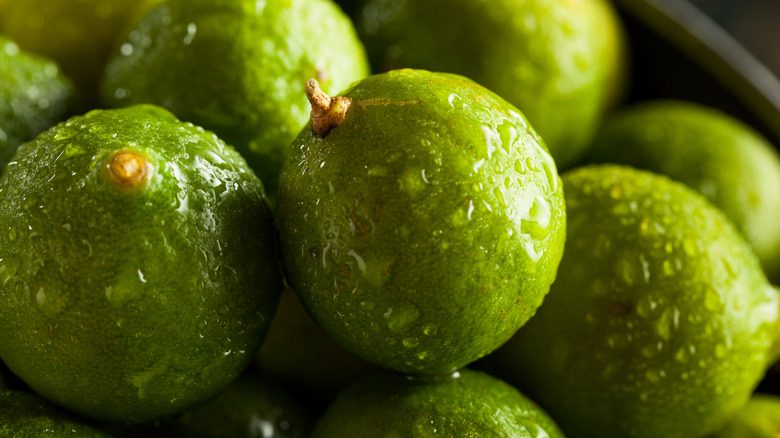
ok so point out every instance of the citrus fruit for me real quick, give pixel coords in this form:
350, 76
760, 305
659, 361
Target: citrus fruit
252, 406
298, 351
557, 61
237, 67
759, 419
77, 34
468, 404
661, 322
25, 415
34, 96
137, 266
710, 152
421, 219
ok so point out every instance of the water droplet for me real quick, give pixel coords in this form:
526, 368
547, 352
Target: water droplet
402, 319
191, 31
411, 342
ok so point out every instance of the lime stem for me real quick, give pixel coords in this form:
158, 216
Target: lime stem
327, 112
128, 169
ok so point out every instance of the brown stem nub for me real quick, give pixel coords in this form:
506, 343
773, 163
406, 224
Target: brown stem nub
326, 112
128, 169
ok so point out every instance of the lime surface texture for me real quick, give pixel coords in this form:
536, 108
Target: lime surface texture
718, 156
34, 96
299, 352
238, 68
468, 404
137, 266
252, 406
426, 227
557, 61
661, 322
24, 415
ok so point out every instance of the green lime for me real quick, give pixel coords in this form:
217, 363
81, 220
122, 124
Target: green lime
468, 404
716, 155
426, 226
77, 34
251, 406
137, 266
298, 351
661, 322
237, 67
558, 61
759, 419
34, 96
24, 415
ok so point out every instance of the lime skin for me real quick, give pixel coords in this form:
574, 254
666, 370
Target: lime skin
24, 415
466, 404
759, 419
716, 155
132, 299
560, 62
237, 67
423, 230
661, 322
299, 352
34, 96
252, 406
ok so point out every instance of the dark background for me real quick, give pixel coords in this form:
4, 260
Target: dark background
754, 23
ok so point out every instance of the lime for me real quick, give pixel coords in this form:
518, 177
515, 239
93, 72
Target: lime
558, 61
26, 415
137, 266
298, 351
661, 322
426, 226
77, 34
468, 404
237, 67
759, 419
34, 96
251, 406
710, 152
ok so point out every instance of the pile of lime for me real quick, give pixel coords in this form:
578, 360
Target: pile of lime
214, 222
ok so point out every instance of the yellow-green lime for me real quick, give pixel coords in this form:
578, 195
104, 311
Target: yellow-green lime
77, 34
138, 271
560, 62
466, 404
716, 155
34, 96
760, 418
24, 415
421, 219
661, 322
237, 67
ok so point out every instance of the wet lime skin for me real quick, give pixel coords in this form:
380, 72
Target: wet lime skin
252, 406
424, 229
558, 61
24, 415
661, 322
34, 96
714, 154
238, 68
469, 404
132, 304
